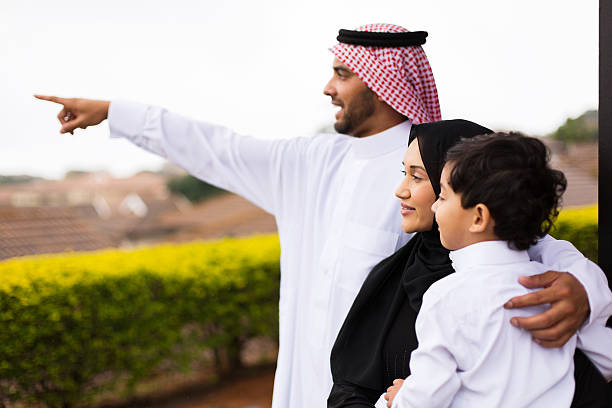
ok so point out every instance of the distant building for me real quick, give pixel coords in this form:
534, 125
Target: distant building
43, 230
90, 211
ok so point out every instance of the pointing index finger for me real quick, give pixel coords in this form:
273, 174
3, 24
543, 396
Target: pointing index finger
55, 99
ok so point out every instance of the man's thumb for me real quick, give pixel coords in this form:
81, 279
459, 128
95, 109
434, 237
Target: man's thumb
69, 126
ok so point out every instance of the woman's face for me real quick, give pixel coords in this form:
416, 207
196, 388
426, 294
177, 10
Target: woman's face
415, 192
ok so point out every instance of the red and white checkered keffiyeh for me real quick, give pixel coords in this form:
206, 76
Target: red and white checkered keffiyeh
401, 76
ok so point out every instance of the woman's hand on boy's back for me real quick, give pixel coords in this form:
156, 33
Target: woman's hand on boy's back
569, 307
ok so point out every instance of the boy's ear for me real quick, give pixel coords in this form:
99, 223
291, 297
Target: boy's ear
481, 218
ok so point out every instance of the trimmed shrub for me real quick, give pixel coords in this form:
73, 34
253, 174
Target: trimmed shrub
579, 225
73, 325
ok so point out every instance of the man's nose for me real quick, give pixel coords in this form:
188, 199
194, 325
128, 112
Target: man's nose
329, 90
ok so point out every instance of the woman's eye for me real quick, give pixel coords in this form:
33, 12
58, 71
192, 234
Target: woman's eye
403, 172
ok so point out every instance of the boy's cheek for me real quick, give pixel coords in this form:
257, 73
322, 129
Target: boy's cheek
443, 240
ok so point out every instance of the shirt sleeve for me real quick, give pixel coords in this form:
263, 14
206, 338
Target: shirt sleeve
563, 256
433, 381
596, 342
253, 168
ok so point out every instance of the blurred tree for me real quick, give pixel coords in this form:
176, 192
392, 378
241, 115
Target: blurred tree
17, 179
192, 188
579, 130
75, 173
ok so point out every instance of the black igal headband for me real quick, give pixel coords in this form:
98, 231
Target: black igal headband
373, 39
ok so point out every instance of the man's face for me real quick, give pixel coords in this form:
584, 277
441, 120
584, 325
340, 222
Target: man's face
356, 101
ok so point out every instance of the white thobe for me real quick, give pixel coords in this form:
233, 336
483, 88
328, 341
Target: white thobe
333, 199
468, 354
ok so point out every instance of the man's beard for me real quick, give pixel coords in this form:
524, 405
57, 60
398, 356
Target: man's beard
357, 112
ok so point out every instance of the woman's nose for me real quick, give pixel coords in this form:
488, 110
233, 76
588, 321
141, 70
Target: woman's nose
402, 190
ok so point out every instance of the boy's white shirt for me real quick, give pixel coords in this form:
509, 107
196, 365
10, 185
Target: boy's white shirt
470, 356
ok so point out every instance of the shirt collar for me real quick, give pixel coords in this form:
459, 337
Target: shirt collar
383, 142
486, 253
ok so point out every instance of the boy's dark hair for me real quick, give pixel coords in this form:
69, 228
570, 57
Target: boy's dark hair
510, 174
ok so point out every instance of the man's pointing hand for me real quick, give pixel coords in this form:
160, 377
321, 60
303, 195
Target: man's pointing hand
78, 112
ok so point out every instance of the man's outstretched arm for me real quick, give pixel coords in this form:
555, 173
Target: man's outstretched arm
259, 170
572, 295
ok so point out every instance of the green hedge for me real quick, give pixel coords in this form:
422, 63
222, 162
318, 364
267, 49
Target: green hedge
579, 226
75, 325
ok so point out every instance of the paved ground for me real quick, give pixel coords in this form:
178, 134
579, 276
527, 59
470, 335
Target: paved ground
254, 392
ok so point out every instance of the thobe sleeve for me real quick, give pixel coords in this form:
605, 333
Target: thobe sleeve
433, 381
596, 342
563, 256
253, 168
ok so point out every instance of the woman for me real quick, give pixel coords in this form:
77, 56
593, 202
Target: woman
375, 342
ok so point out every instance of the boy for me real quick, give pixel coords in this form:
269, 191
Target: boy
498, 196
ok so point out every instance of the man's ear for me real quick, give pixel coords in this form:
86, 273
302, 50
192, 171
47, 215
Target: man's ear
481, 218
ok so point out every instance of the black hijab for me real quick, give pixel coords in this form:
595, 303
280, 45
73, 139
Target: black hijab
356, 357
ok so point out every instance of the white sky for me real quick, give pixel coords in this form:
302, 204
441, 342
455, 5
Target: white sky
260, 66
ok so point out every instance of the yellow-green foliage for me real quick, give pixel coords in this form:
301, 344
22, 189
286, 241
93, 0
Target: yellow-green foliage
579, 226
73, 324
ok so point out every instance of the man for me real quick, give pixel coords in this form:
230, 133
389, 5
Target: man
332, 196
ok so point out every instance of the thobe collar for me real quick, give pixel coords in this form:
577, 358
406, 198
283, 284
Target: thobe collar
383, 142
486, 253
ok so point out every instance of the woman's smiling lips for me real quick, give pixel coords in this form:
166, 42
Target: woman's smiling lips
406, 209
